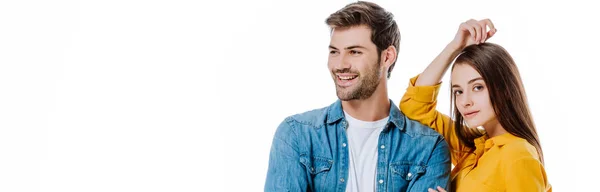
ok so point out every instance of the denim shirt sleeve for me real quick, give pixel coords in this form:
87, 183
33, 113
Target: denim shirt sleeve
438, 169
285, 172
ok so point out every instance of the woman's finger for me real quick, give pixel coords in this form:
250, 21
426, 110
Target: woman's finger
441, 189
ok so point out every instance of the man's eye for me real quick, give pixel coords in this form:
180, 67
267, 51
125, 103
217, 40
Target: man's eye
353, 52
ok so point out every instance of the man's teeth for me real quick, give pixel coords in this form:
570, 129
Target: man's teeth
347, 77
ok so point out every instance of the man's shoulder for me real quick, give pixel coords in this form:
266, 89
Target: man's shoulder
312, 118
416, 129
302, 124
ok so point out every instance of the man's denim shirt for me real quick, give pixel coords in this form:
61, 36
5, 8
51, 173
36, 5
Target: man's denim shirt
310, 153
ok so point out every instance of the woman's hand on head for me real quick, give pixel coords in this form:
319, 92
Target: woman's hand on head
473, 32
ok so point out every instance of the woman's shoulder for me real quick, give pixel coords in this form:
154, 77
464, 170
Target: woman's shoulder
516, 148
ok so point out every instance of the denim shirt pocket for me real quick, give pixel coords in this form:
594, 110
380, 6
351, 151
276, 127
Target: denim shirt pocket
404, 174
318, 167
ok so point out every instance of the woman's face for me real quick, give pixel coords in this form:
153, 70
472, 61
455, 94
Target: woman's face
471, 96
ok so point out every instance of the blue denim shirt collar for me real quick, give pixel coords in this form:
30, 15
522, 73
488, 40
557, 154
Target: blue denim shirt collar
336, 113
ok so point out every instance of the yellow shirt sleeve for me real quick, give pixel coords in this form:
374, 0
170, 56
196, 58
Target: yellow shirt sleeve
526, 174
419, 104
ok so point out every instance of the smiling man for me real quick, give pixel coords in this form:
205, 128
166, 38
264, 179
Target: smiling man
362, 142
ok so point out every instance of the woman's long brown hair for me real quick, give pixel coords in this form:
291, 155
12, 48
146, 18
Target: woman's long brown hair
506, 91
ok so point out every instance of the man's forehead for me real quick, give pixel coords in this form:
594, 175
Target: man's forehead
356, 35
358, 29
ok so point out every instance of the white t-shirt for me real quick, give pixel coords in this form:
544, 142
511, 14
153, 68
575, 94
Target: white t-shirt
363, 138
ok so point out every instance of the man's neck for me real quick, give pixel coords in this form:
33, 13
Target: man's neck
373, 108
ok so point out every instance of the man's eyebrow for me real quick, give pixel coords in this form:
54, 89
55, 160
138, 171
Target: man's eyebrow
355, 46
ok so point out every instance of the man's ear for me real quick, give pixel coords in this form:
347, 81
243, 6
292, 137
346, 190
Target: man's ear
389, 56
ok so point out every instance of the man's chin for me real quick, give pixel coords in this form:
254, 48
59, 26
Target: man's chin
346, 99
347, 96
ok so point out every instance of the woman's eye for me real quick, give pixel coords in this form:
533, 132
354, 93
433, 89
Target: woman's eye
457, 92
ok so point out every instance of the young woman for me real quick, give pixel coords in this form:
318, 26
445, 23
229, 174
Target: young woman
493, 141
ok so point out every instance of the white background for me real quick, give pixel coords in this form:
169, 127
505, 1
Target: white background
186, 95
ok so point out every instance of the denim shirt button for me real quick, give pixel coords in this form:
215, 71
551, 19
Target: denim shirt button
408, 175
342, 180
343, 144
382, 146
312, 169
381, 181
